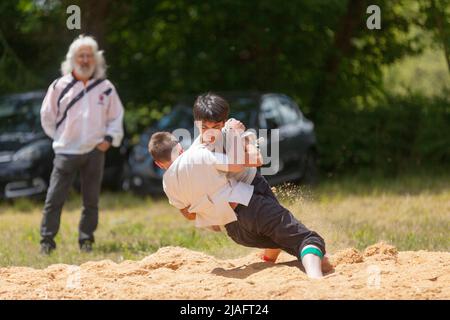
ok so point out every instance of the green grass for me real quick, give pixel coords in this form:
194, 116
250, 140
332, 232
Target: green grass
411, 212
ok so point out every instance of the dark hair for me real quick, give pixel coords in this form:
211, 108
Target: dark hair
161, 145
211, 107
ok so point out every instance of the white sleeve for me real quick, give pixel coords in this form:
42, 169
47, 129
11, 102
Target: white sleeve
220, 161
49, 111
114, 125
234, 147
172, 197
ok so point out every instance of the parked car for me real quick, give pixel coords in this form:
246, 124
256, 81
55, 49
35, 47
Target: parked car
26, 154
297, 140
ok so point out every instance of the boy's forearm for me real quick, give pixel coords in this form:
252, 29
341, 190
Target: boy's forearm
253, 157
253, 160
242, 153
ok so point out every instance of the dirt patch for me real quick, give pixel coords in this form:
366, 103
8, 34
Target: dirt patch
178, 273
346, 256
381, 251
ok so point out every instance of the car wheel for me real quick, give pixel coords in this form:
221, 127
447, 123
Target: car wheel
125, 178
310, 174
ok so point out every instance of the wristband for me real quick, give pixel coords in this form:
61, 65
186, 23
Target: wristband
108, 138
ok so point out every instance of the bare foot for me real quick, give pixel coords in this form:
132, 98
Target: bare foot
270, 255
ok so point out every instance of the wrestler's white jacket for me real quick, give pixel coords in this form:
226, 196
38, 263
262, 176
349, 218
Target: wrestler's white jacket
78, 117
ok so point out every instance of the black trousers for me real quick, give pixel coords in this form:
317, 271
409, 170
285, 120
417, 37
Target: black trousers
65, 167
265, 223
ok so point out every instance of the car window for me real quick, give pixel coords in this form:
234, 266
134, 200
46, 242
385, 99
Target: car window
244, 109
20, 115
270, 112
6, 108
289, 112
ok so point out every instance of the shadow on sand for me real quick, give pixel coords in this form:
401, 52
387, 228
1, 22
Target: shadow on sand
247, 270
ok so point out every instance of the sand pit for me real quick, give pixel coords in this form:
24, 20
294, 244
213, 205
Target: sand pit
380, 272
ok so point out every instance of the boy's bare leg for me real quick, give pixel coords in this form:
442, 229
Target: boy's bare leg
270, 255
312, 263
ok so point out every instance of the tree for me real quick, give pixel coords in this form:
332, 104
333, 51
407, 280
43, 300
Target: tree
436, 18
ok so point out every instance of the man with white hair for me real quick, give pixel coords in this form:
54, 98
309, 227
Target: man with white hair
83, 114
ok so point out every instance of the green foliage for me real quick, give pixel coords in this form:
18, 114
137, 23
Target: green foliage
436, 18
184, 47
142, 116
320, 52
399, 133
424, 74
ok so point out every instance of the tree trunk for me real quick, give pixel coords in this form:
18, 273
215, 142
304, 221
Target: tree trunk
342, 47
94, 15
441, 31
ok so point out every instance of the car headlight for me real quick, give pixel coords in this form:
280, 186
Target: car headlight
28, 153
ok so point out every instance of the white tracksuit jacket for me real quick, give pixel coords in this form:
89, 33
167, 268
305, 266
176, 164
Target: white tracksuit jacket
79, 117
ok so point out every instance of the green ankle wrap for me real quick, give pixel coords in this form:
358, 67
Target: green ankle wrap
312, 250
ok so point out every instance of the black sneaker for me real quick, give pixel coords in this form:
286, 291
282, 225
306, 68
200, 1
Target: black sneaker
46, 248
86, 246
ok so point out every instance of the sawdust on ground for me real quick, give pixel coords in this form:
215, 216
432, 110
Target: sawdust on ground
378, 272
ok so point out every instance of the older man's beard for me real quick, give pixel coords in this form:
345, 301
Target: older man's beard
84, 71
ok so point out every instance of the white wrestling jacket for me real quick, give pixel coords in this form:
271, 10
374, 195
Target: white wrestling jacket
79, 117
